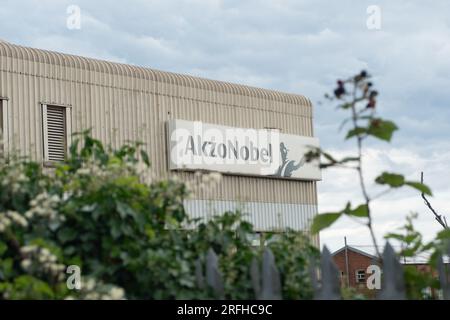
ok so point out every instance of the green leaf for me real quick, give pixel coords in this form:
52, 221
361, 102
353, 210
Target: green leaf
124, 210
66, 234
349, 159
345, 106
396, 180
394, 236
361, 211
391, 179
382, 129
323, 221
329, 157
115, 230
6, 266
356, 132
419, 186
3, 248
145, 158
443, 235
69, 250
334, 162
29, 287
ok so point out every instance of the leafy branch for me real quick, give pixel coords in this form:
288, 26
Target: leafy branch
356, 95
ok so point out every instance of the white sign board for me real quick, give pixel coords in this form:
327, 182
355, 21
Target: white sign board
240, 151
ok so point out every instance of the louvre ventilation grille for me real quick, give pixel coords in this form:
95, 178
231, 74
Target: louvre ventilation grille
56, 133
2, 134
1, 119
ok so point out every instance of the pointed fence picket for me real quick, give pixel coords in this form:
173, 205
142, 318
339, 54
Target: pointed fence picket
266, 279
392, 285
266, 285
444, 274
329, 287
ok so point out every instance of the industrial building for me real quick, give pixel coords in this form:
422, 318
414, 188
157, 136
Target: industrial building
46, 96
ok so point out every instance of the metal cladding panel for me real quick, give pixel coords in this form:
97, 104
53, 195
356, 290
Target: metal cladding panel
122, 103
265, 216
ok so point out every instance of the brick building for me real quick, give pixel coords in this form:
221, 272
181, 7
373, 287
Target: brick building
352, 264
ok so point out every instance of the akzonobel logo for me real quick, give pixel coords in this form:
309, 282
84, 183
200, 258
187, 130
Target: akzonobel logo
228, 149
203, 146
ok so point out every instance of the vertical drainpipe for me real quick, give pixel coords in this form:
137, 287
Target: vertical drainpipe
346, 262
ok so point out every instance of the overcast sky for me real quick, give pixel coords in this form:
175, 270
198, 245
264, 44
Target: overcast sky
293, 46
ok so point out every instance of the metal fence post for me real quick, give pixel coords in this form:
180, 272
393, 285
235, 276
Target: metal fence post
329, 288
393, 284
266, 284
444, 274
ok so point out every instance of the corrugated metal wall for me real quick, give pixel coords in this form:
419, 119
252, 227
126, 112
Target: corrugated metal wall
123, 102
264, 216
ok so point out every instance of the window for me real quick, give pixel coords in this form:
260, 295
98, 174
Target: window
57, 131
360, 276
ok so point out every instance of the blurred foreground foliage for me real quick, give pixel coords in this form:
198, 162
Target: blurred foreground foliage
130, 238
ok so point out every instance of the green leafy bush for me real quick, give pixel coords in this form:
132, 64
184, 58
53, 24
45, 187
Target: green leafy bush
130, 237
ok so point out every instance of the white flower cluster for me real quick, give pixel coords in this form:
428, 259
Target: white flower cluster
94, 169
91, 167
203, 183
14, 178
146, 174
89, 170
43, 260
12, 217
44, 206
93, 290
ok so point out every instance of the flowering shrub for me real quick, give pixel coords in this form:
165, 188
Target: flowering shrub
129, 236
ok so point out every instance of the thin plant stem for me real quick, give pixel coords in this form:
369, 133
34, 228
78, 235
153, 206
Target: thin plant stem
359, 168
